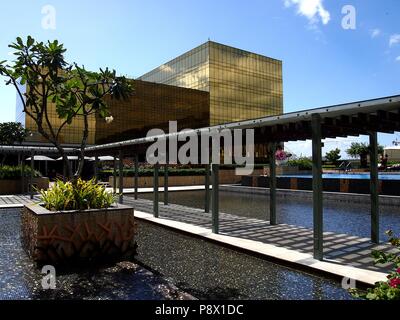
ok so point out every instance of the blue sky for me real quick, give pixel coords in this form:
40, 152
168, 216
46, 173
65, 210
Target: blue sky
323, 64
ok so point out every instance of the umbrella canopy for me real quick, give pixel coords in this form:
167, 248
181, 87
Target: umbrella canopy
107, 158
40, 158
74, 158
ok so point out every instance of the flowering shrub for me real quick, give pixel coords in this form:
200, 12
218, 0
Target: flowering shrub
280, 155
390, 289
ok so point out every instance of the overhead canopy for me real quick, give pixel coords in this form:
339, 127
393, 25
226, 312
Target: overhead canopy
351, 119
40, 158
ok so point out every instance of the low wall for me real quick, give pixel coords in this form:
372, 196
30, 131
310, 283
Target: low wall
225, 177
359, 186
78, 236
15, 186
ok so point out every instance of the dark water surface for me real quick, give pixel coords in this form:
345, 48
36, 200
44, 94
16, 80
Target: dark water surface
21, 279
339, 217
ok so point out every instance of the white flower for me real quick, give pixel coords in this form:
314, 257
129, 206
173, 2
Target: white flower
109, 119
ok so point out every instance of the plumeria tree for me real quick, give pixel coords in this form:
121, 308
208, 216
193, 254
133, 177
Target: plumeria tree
52, 82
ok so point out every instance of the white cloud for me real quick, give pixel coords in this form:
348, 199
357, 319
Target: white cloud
312, 9
398, 59
394, 39
304, 148
375, 33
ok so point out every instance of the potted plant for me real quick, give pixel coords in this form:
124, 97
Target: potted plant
77, 222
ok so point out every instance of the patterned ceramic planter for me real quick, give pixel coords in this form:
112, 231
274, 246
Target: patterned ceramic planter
78, 236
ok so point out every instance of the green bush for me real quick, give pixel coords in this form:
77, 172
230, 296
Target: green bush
15, 172
302, 163
79, 195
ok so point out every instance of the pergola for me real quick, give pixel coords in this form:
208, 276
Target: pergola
352, 119
34, 153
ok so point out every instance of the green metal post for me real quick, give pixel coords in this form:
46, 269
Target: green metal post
272, 185
374, 187
207, 197
121, 177
31, 176
115, 175
317, 186
23, 174
155, 190
215, 198
166, 184
136, 175
96, 168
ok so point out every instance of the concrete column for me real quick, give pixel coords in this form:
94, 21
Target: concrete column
121, 177
374, 186
155, 191
272, 184
136, 175
317, 186
215, 198
207, 197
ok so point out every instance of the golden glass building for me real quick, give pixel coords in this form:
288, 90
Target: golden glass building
211, 84
242, 85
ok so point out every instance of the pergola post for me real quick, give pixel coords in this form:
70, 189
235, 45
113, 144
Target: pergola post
207, 189
23, 174
215, 198
121, 177
272, 184
155, 191
166, 181
96, 168
136, 175
317, 186
374, 186
115, 175
31, 175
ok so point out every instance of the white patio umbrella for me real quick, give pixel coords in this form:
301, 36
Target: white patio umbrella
74, 158
40, 158
107, 158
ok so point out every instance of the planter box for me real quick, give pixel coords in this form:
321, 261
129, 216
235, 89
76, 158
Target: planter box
78, 236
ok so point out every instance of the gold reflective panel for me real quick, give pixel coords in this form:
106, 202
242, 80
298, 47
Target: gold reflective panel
242, 85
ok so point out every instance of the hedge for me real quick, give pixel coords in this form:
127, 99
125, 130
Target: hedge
15, 172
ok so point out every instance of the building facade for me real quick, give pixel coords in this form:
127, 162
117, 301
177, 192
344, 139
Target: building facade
209, 85
242, 85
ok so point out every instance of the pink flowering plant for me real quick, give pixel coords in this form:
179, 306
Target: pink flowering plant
280, 155
389, 289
